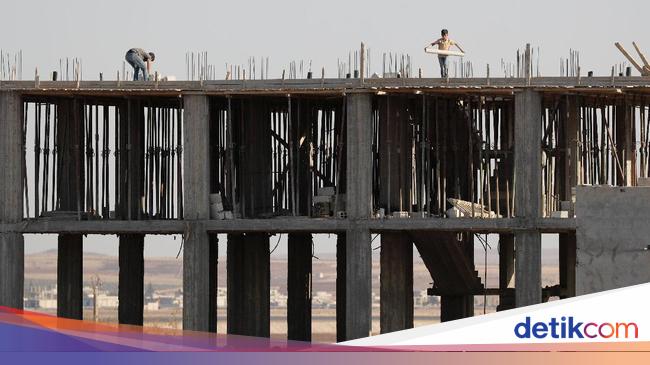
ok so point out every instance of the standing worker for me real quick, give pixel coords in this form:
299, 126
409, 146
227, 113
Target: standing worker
444, 43
137, 57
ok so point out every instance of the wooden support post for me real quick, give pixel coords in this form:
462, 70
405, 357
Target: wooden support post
249, 276
70, 187
199, 250
299, 287
12, 165
528, 246
625, 144
355, 256
396, 282
131, 249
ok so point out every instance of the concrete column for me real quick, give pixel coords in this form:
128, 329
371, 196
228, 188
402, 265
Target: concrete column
506, 270
396, 262
200, 251
71, 198
299, 286
299, 273
354, 291
131, 279
69, 296
131, 249
359, 156
453, 307
12, 165
355, 256
568, 261
396, 282
249, 280
570, 170
528, 245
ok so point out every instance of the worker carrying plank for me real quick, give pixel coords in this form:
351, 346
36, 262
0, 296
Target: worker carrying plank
444, 44
136, 57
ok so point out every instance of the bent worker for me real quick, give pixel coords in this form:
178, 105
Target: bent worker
444, 43
137, 57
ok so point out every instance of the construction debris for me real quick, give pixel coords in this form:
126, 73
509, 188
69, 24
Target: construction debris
216, 208
462, 208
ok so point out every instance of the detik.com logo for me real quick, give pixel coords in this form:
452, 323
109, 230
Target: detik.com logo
568, 327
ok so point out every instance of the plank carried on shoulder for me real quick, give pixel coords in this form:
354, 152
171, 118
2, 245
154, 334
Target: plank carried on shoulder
434, 50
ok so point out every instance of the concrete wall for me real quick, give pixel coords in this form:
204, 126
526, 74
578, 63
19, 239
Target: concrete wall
613, 228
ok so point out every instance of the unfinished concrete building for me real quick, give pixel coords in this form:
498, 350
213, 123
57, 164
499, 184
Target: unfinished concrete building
425, 163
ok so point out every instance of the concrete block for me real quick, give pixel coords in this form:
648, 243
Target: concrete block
326, 191
322, 199
322, 210
400, 214
215, 212
611, 237
560, 214
215, 198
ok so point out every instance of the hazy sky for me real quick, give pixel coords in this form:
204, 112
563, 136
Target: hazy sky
100, 32
284, 30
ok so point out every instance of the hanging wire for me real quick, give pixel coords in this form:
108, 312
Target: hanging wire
277, 243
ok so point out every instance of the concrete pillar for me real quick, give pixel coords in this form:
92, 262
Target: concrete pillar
299, 273
12, 165
528, 245
131, 279
131, 191
506, 270
453, 307
354, 291
570, 172
69, 296
396, 282
568, 261
355, 256
200, 254
200, 251
299, 286
249, 281
71, 198
396, 278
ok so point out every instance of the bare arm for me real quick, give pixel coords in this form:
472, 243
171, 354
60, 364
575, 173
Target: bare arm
148, 66
432, 44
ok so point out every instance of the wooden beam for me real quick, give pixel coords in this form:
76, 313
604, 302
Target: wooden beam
629, 58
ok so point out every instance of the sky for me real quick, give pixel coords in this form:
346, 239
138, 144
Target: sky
100, 33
